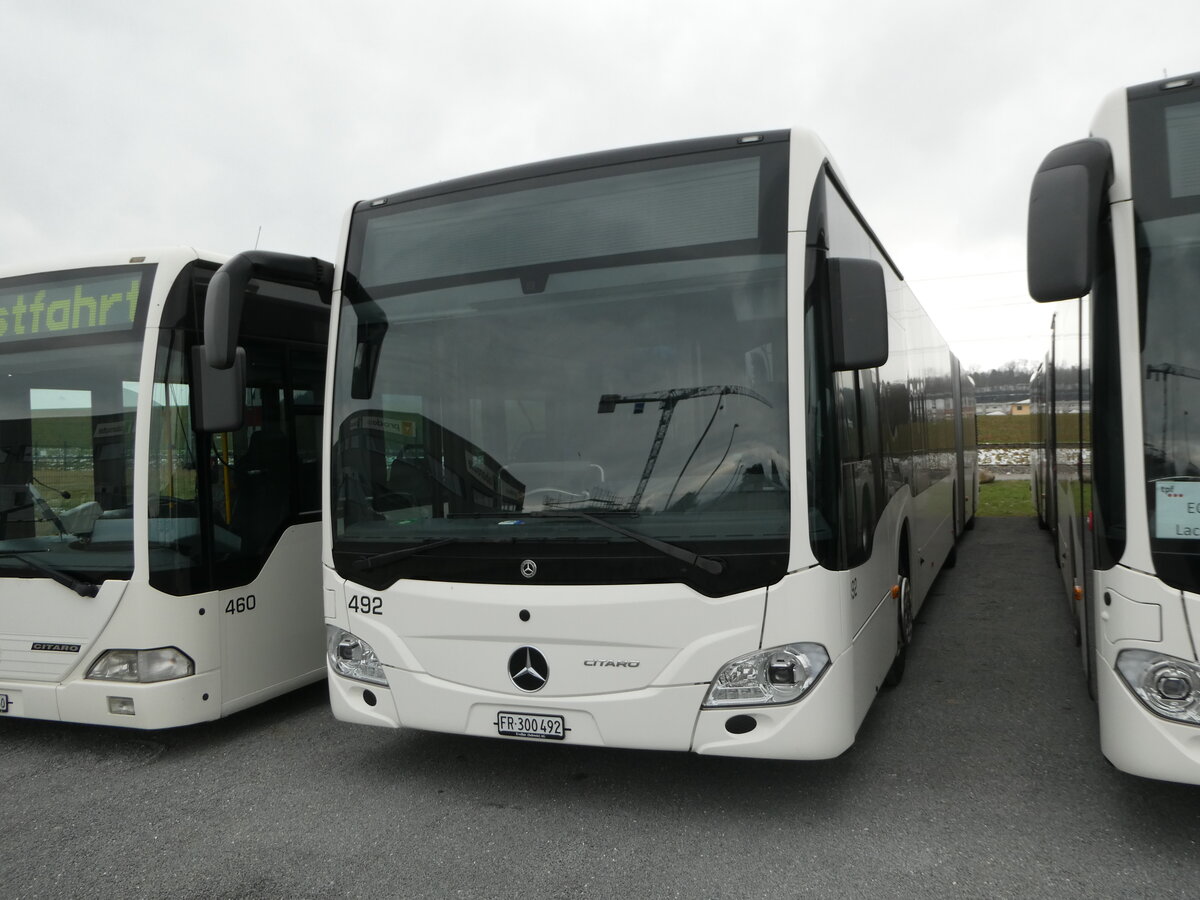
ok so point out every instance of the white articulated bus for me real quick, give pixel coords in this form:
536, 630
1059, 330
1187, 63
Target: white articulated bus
650, 448
1114, 235
1040, 439
152, 575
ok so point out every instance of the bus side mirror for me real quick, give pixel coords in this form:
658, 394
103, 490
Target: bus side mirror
1064, 219
220, 394
219, 364
859, 314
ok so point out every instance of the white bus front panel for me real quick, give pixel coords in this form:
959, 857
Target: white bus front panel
628, 668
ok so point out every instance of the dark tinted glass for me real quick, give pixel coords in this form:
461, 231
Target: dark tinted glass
1165, 147
611, 342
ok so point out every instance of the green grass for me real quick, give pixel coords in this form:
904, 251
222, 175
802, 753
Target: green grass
1005, 498
1004, 429
1019, 429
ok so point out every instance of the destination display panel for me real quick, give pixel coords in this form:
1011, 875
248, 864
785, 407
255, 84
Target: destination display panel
77, 302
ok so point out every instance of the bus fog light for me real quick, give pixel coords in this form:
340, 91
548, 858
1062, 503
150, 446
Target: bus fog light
142, 666
1165, 684
777, 675
120, 706
353, 657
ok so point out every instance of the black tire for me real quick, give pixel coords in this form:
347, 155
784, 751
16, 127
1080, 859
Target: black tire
1090, 638
896, 673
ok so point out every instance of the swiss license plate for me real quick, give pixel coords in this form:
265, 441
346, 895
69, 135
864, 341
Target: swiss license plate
531, 725
3, 703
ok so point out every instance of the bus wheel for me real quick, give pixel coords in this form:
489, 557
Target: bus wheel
904, 635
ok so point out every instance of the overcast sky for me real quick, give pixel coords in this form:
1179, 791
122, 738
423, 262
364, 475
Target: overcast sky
133, 124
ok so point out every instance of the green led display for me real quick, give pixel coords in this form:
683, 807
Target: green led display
63, 305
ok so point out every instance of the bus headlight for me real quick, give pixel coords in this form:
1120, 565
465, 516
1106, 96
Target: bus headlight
1167, 685
142, 666
353, 657
766, 677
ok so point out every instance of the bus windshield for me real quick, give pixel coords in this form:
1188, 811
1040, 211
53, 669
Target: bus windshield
70, 348
66, 458
610, 341
1168, 233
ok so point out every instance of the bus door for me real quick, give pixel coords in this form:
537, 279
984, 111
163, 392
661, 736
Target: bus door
268, 575
245, 504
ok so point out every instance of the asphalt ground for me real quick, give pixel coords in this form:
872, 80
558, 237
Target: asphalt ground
979, 776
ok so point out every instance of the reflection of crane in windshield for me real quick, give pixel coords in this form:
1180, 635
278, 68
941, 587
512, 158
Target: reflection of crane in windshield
667, 401
1163, 373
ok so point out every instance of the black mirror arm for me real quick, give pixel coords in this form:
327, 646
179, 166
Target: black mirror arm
227, 294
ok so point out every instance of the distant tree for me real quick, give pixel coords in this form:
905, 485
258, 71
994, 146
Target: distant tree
1010, 375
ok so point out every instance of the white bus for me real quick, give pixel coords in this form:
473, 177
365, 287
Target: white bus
151, 575
650, 448
1040, 439
1114, 235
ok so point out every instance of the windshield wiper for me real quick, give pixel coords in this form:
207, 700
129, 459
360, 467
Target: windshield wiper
704, 563
82, 588
515, 516
382, 559
376, 560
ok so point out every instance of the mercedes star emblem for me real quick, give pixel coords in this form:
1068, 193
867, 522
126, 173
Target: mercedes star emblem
528, 669
528, 568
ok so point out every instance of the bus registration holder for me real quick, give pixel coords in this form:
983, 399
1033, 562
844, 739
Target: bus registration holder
531, 725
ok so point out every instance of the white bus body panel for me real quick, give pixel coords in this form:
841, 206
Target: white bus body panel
169, 259
1135, 610
1137, 518
448, 646
42, 611
465, 633
279, 645
327, 429
143, 619
241, 659
800, 553
445, 677
807, 156
1111, 122
1136, 741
